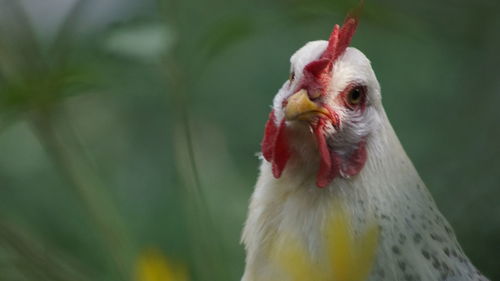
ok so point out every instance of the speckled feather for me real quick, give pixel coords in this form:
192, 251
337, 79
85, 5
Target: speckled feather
416, 242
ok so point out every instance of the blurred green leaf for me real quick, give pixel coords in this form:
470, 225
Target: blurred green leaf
144, 42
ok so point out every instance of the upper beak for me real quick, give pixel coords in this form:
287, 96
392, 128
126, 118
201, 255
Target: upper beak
301, 107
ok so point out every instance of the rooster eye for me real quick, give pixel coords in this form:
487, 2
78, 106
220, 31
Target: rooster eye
291, 77
355, 95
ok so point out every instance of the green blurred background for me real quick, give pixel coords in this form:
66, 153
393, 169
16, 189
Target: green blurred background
128, 125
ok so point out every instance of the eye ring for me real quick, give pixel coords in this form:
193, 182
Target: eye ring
355, 96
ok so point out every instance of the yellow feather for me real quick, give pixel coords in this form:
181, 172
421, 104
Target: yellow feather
367, 249
340, 246
350, 258
294, 261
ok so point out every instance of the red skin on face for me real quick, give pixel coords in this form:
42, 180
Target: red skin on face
356, 161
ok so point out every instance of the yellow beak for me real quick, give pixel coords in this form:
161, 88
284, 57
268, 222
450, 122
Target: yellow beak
301, 107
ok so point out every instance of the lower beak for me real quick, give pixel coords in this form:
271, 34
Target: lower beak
301, 107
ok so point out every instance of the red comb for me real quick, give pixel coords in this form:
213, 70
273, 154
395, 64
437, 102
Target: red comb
341, 36
337, 43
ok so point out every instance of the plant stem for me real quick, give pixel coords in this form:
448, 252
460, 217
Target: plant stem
90, 190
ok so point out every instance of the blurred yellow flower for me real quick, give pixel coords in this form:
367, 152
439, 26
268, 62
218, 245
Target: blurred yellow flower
152, 265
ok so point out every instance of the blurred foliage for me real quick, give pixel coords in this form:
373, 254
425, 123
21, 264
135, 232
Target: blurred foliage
130, 123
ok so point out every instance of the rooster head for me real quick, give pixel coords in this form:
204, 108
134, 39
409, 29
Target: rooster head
333, 98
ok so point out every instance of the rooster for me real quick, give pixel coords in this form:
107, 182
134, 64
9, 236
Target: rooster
328, 146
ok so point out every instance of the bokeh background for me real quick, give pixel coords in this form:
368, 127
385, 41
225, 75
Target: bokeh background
129, 128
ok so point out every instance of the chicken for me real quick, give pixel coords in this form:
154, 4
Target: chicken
328, 144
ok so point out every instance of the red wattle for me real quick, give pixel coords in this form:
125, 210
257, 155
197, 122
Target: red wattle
275, 148
281, 152
328, 167
270, 132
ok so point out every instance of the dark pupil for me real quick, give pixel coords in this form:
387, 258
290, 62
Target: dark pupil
355, 94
